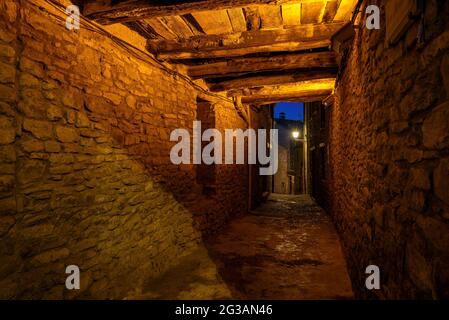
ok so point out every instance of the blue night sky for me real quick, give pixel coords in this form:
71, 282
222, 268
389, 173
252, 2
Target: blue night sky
293, 110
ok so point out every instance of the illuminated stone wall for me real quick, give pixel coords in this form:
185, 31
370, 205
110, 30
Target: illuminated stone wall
85, 175
389, 159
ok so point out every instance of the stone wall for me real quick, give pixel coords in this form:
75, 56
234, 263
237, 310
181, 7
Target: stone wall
390, 159
260, 117
85, 175
318, 142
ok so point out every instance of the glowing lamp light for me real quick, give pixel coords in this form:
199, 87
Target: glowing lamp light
295, 134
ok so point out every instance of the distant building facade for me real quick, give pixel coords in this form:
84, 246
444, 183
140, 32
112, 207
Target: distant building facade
289, 178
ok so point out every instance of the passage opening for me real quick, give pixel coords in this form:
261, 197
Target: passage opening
289, 121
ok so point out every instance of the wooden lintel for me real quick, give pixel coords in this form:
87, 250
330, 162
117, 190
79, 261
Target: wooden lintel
308, 86
242, 65
292, 97
271, 78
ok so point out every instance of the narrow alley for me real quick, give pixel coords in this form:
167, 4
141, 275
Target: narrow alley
224, 149
286, 249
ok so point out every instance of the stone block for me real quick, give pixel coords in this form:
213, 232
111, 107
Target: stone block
67, 134
7, 35
418, 268
6, 222
98, 105
31, 171
7, 93
8, 206
28, 80
82, 121
70, 116
7, 109
114, 98
52, 146
436, 128
420, 178
436, 232
61, 158
38, 128
7, 135
72, 99
7, 73
50, 256
38, 231
54, 113
32, 145
33, 67
445, 73
441, 180
131, 101
7, 183
7, 52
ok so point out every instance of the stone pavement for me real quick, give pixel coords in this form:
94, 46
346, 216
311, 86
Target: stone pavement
286, 249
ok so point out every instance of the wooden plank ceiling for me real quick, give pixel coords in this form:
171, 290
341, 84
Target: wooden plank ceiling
260, 50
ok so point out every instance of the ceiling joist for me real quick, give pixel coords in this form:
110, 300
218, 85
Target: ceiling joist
295, 46
259, 51
240, 66
303, 37
309, 87
270, 79
307, 96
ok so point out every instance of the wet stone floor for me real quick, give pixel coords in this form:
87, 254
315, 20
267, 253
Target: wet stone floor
286, 249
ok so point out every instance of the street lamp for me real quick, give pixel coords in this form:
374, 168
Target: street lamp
295, 134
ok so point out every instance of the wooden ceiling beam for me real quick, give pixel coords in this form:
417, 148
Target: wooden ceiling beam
303, 37
271, 78
108, 11
310, 96
345, 10
304, 91
242, 65
181, 56
303, 87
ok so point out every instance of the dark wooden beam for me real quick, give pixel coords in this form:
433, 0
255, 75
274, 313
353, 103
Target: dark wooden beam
242, 65
292, 97
298, 38
270, 78
108, 11
306, 87
143, 28
294, 46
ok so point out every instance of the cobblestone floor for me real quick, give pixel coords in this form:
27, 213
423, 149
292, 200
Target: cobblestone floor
286, 249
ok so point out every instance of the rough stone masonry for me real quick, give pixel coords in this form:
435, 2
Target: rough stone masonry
389, 147
86, 177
